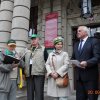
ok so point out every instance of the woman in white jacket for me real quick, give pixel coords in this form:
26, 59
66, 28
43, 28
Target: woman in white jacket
57, 65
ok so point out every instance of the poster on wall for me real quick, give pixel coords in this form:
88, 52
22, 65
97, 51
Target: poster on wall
50, 29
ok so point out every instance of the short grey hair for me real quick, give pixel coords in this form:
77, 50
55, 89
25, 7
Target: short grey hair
85, 28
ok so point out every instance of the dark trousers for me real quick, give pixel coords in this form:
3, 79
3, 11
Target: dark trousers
87, 90
35, 87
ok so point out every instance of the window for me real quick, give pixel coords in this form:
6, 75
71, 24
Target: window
95, 3
93, 29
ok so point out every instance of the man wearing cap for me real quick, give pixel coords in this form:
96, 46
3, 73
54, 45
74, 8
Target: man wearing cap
8, 73
35, 69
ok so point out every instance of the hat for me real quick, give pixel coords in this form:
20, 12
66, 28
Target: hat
57, 40
35, 36
11, 42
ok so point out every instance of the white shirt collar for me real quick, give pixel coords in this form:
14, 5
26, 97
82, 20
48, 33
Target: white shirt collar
85, 39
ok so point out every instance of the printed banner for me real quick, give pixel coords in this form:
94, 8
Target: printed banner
51, 29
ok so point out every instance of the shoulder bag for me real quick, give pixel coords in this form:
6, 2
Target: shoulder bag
61, 81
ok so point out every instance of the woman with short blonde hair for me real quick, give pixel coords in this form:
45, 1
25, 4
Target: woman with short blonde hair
57, 65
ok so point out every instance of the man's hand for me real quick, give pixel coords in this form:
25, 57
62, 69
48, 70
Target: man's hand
83, 64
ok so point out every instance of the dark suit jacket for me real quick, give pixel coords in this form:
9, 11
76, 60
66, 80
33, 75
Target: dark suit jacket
90, 53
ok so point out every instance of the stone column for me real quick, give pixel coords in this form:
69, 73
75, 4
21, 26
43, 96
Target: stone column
6, 11
20, 23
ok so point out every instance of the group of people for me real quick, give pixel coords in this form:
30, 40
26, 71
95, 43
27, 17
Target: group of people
37, 64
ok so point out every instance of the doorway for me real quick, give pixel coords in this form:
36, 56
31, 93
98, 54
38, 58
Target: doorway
33, 20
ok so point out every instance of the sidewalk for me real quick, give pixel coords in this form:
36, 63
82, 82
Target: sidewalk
21, 95
73, 97
49, 98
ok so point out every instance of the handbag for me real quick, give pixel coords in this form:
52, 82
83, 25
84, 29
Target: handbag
61, 81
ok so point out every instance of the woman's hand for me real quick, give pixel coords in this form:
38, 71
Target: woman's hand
54, 75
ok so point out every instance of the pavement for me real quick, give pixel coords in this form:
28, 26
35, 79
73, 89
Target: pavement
73, 97
24, 97
45, 98
21, 95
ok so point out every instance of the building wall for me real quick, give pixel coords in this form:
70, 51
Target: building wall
14, 22
43, 9
6, 13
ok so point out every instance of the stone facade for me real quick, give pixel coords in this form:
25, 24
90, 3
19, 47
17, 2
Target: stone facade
6, 13
14, 22
15, 16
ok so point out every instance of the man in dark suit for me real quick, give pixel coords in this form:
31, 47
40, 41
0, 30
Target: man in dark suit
86, 51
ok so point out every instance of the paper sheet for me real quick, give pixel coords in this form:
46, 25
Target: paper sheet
75, 62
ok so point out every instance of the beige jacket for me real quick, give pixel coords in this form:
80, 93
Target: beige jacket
61, 63
38, 63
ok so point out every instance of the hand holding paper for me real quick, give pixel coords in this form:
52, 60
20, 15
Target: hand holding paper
76, 63
82, 64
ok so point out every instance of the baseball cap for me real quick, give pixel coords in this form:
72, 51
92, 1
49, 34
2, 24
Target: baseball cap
35, 36
11, 42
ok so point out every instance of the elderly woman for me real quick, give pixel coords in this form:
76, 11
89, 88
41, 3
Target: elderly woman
57, 65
